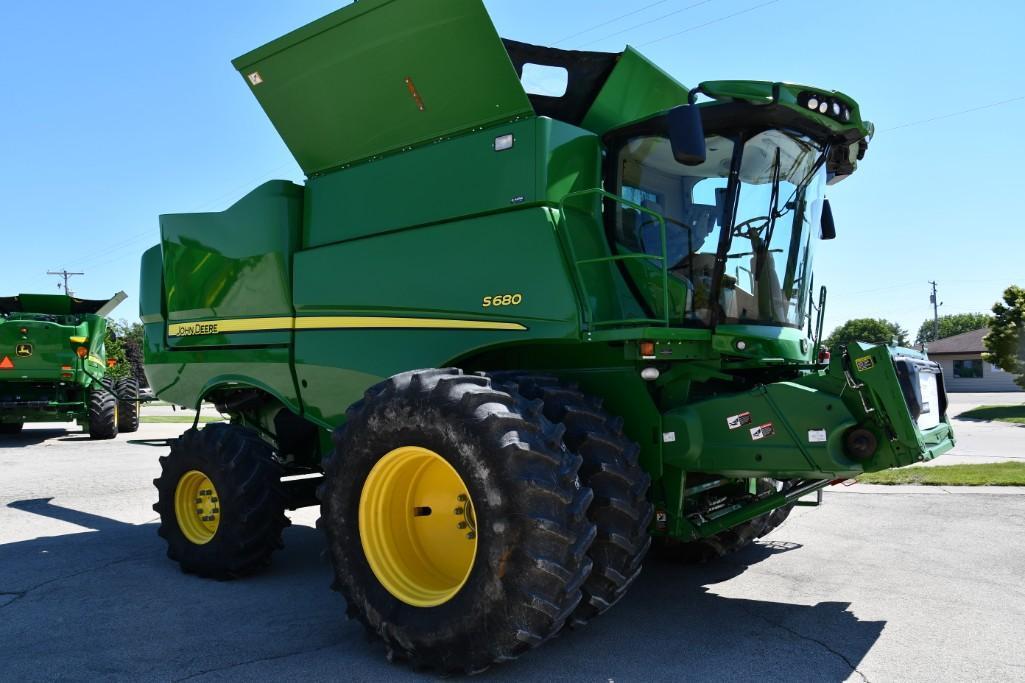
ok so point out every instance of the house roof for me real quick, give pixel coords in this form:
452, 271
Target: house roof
967, 342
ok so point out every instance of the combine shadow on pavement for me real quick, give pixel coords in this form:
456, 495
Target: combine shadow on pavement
107, 602
31, 437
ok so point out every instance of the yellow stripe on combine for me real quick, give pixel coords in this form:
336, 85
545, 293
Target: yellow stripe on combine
208, 327
362, 322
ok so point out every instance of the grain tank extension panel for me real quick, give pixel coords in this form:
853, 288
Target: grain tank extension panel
380, 75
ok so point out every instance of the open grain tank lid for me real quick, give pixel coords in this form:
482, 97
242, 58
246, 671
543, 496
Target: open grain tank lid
380, 75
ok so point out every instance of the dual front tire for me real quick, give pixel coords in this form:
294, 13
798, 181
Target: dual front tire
497, 565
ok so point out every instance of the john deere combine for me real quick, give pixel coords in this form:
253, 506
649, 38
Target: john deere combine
513, 337
53, 366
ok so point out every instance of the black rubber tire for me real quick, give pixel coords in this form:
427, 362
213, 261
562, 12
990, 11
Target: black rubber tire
102, 413
733, 539
128, 411
620, 510
252, 497
10, 428
531, 511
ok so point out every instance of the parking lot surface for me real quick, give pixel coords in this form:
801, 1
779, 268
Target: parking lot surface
894, 585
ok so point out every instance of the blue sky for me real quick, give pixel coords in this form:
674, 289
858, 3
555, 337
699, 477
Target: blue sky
114, 112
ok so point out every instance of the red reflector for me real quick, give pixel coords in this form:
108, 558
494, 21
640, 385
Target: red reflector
824, 356
647, 349
65, 367
6, 363
66, 375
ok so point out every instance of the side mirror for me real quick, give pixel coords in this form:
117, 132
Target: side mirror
828, 228
687, 135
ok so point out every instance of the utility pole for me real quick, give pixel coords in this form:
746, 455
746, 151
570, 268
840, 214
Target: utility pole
936, 303
66, 275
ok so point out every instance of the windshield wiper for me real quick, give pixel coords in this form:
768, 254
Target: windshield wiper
773, 215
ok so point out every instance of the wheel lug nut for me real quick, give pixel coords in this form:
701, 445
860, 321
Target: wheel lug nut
462, 498
462, 525
471, 535
459, 511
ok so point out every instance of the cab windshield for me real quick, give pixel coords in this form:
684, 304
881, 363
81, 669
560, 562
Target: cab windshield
757, 232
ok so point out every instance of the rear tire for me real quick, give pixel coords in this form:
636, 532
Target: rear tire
610, 468
239, 502
128, 411
10, 428
531, 529
103, 414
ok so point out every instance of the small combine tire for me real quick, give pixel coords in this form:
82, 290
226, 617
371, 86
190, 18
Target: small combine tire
221, 501
103, 413
11, 427
610, 468
128, 411
455, 520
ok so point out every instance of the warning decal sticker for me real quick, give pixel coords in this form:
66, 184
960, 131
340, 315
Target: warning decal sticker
738, 421
865, 364
763, 431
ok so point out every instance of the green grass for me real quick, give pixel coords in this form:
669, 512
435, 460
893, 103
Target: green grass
989, 474
1014, 414
178, 418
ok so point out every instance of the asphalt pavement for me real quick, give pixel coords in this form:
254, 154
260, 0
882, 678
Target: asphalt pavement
877, 584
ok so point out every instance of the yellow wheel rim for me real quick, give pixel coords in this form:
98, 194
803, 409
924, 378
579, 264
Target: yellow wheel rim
197, 507
417, 526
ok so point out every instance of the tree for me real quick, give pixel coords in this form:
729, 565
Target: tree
124, 345
1005, 343
950, 325
870, 330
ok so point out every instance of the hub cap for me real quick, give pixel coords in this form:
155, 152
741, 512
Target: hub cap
197, 507
417, 526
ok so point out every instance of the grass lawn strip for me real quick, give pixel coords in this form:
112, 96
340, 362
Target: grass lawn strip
987, 474
1013, 413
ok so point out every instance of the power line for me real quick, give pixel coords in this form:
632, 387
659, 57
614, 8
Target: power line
66, 275
956, 113
709, 23
645, 23
610, 21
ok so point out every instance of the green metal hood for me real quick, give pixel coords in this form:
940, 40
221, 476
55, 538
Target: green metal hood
382, 75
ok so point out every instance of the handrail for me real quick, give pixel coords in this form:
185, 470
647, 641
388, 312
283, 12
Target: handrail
663, 259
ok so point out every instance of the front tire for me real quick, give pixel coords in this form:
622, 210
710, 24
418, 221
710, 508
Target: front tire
611, 469
524, 515
128, 411
221, 502
103, 413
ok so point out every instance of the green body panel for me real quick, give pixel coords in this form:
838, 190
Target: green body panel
48, 380
417, 243
635, 90
363, 200
434, 69
233, 264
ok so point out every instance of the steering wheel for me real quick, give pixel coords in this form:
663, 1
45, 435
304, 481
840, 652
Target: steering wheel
738, 229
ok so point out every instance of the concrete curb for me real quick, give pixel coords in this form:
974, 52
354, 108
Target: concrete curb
918, 489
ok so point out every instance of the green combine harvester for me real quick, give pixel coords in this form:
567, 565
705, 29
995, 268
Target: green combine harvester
510, 340
53, 366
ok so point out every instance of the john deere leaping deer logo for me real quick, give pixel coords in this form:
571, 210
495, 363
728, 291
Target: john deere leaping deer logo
23, 350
